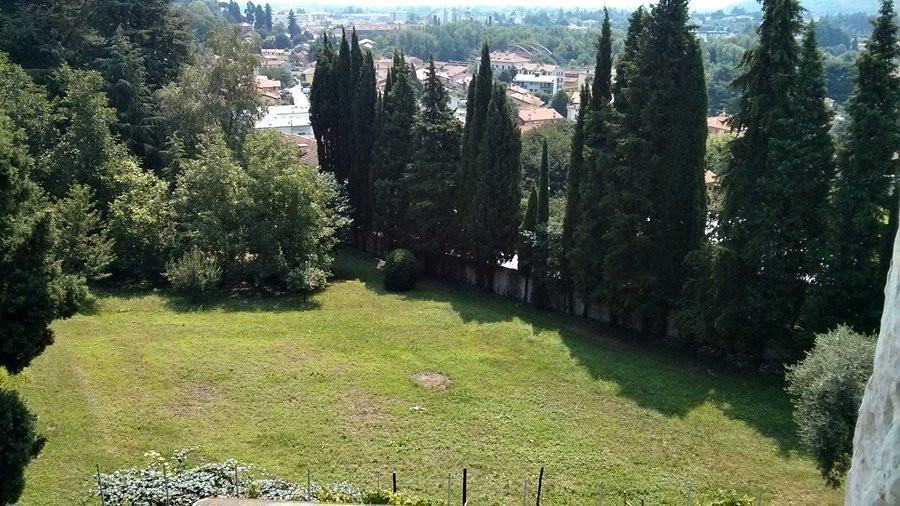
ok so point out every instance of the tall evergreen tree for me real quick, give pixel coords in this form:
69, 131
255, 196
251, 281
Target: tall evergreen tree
573, 187
492, 228
250, 13
346, 83
356, 59
393, 152
268, 13
323, 107
756, 269
543, 214
864, 199
586, 255
364, 132
27, 289
431, 175
293, 27
123, 70
670, 86
480, 92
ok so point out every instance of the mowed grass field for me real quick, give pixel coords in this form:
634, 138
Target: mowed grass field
328, 384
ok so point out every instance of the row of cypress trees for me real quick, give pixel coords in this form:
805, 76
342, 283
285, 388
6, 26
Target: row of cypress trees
414, 174
803, 238
637, 201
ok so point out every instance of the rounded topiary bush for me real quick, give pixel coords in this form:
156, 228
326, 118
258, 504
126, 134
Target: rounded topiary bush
400, 271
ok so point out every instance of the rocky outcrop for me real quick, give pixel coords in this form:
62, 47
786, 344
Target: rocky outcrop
875, 470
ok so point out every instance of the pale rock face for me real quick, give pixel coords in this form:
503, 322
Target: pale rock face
875, 470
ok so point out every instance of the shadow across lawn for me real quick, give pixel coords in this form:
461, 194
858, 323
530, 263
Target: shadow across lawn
668, 380
229, 300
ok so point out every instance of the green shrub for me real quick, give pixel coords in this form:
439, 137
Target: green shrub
394, 498
827, 388
727, 498
400, 271
194, 274
18, 445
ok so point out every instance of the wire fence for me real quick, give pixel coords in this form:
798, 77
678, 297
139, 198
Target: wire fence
531, 492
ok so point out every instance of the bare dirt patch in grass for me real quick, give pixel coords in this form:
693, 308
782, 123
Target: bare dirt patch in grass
432, 380
192, 397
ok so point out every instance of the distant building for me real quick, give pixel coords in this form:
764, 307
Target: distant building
539, 84
522, 97
707, 35
289, 119
533, 117
503, 60
309, 152
543, 69
399, 17
717, 125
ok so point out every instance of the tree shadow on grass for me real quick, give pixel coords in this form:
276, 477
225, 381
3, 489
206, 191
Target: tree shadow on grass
668, 380
230, 300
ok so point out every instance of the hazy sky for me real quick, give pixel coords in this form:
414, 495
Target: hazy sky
620, 4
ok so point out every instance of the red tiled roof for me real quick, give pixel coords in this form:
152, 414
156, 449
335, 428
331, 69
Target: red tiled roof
309, 152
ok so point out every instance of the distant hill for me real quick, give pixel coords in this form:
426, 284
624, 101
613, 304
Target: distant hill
819, 8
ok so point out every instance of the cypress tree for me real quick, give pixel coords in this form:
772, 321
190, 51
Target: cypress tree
543, 212
573, 187
673, 109
494, 209
393, 152
323, 107
345, 91
250, 13
293, 27
864, 199
480, 93
356, 59
268, 18
431, 176
756, 269
586, 255
364, 131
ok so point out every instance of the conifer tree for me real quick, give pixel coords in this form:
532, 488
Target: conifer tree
543, 210
346, 83
293, 27
494, 209
323, 107
364, 131
27, 289
268, 12
394, 152
586, 255
250, 13
756, 269
431, 176
573, 187
480, 93
560, 103
356, 59
126, 87
670, 86
864, 199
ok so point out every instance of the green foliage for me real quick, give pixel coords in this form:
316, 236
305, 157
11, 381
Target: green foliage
560, 103
141, 222
393, 152
211, 201
401, 271
364, 126
392, 498
19, 444
864, 204
431, 177
827, 387
297, 214
220, 89
727, 498
493, 211
559, 140
194, 274
26, 104
83, 244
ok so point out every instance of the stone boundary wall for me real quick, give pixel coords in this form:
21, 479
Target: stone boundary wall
507, 282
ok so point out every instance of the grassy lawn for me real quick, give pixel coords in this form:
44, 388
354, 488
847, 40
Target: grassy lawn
282, 384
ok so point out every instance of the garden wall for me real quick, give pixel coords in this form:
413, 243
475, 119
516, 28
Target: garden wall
507, 282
